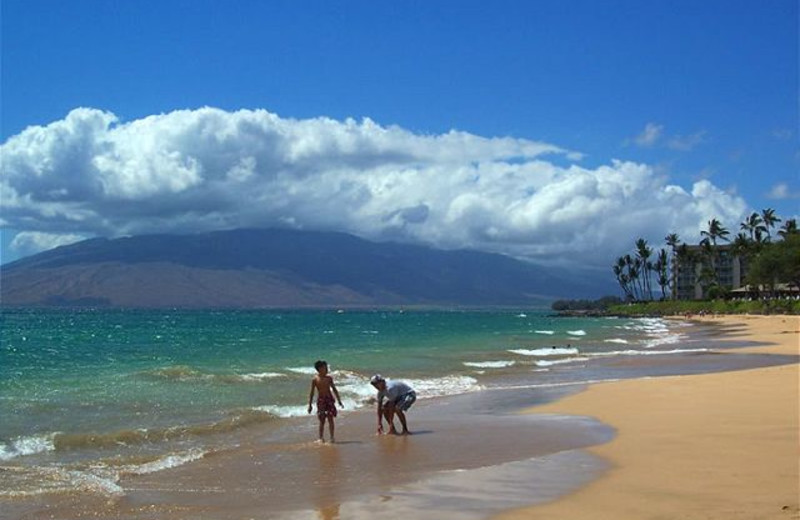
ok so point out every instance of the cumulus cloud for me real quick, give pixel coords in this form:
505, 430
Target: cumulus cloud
685, 143
653, 135
198, 170
650, 135
781, 191
30, 242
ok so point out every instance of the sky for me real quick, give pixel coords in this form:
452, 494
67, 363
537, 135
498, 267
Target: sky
555, 131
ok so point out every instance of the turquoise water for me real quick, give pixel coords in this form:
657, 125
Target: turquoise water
91, 384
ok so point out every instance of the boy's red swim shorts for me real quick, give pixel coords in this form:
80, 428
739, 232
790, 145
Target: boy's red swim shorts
326, 406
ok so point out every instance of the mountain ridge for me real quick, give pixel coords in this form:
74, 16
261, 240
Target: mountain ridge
253, 268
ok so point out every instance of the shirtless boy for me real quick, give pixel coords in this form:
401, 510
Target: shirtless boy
326, 407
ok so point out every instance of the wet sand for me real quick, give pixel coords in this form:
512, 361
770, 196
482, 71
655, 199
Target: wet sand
295, 477
695, 447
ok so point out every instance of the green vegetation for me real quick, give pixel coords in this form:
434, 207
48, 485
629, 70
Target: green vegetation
772, 263
676, 307
601, 304
778, 262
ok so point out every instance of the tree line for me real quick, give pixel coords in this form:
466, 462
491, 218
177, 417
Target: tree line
771, 253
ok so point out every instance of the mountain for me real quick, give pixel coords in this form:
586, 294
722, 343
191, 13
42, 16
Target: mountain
254, 268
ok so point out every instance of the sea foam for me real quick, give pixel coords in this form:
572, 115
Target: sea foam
546, 363
27, 445
553, 351
489, 364
632, 352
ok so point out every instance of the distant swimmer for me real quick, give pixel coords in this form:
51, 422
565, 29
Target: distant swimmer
326, 406
399, 397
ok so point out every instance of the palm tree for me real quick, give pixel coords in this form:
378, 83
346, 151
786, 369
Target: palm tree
789, 228
633, 267
673, 241
708, 272
662, 270
643, 253
709, 246
742, 244
622, 278
715, 231
769, 218
754, 225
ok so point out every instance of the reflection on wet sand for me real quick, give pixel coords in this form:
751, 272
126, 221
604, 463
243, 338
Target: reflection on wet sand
327, 497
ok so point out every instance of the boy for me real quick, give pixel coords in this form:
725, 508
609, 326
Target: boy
326, 407
399, 398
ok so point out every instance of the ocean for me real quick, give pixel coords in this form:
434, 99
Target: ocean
89, 395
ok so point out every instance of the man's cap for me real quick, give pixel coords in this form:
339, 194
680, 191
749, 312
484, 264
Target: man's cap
377, 378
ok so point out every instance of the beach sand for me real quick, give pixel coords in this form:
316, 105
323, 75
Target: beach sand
706, 446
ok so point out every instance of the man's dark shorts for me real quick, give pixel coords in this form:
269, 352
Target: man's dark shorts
405, 401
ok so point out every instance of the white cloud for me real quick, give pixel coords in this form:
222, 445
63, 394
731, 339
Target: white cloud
30, 242
653, 135
198, 170
685, 143
781, 191
650, 135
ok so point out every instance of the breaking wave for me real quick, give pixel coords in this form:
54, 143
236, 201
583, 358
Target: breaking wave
183, 373
489, 364
540, 352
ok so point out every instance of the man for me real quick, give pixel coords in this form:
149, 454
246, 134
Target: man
399, 397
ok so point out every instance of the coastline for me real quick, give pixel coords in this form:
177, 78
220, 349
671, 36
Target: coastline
476, 454
722, 445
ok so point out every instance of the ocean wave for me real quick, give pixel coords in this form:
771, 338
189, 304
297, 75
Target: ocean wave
29, 445
576, 332
309, 371
666, 339
616, 340
184, 373
632, 352
259, 376
59, 441
541, 352
546, 363
442, 386
559, 384
547, 332
99, 477
177, 373
489, 364
359, 393
284, 411
25, 482
90, 482
172, 460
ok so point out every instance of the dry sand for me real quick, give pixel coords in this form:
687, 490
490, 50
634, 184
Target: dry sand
706, 446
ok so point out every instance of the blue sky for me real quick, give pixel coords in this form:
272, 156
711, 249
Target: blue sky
549, 130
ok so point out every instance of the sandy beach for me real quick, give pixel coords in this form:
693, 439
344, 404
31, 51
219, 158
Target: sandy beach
706, 446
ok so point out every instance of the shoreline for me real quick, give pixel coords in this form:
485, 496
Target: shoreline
720, 445
476, 455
